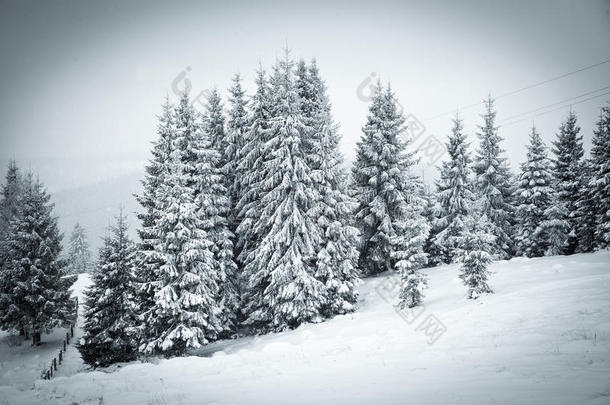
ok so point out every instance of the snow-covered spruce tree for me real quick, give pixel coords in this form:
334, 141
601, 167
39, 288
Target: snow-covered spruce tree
554, 228
214, 127
214, 181
389, 197
109, 335
9, 209
533, 198
236, 134
474, 254
492, 183
148, 259
567, 170
79, 256
432, 213
9, 200
336, 254
40, 298
454, 193
281, 276
252, 171
186, 311
600, 182
587, 208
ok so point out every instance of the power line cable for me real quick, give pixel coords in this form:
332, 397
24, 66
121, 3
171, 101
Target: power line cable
554, 109
510, 93
554, 104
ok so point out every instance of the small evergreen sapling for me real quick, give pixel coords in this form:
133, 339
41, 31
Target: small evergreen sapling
475, 257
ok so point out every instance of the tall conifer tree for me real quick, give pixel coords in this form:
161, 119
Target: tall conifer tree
534, 196
40, 297
454, 193
109, 334
336, 254
600, 182
493, 183
149, 259
281, 276
389, 197
186, 312
568, 168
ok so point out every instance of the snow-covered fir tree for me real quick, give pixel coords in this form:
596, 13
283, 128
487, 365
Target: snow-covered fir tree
283, 290
214, 127
492, 183
389, 197
186, 312
554, 228
533, 198
109, 335
409, 249
474, 254
214, 182
9, 200
79, 256
9, 209
455, 194
587, 208
149, 260
567, 169
600, 181
236, 134
336, 254
252, 171
432, 212
40, 295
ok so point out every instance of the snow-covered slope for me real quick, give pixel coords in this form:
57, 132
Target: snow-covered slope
544, 337
21, 364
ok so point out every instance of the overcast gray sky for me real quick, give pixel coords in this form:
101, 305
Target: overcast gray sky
81, 81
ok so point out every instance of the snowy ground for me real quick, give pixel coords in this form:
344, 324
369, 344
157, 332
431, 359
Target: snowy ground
544, 337
21, 364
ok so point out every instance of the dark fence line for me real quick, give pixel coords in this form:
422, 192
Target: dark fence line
48, 373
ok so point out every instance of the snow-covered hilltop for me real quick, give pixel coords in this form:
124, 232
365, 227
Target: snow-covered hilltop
543, 337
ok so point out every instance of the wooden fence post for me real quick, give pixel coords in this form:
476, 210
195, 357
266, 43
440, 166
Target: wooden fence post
61, 356
64, 345
68, 337
72, 330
